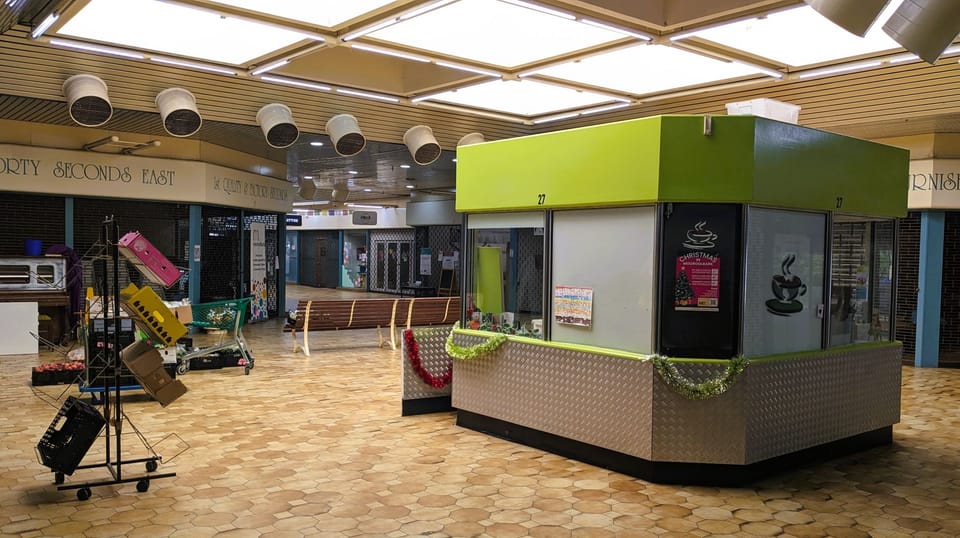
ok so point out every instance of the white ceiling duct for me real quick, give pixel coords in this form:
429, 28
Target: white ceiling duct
87, 100
178, 110
422, 144
345, 133
277, 124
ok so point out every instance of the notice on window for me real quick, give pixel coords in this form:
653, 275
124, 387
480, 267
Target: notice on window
698, 282
573, 305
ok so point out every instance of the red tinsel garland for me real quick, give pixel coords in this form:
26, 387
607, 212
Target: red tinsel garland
413, 355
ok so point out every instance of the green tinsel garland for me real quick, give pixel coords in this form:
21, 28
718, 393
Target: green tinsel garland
698, 391
473, 352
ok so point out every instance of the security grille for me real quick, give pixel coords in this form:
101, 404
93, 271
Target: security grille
441, 240
220, 254
165, 225
391, 260
27, 216
530, 271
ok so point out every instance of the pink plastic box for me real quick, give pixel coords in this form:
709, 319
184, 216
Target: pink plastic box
154, 265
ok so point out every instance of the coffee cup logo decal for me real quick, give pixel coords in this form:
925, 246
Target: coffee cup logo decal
699, 237
786, 287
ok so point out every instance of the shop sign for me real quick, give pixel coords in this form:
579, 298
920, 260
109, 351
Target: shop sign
934, 183
107, 175
293, 220
367, 218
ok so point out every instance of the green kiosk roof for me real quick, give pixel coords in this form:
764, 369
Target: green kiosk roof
743, 159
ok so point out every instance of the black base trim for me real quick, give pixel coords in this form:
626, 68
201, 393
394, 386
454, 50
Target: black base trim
710, 474
423, 406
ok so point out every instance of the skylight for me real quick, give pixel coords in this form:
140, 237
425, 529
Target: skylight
178, 30
800, 37
644, 69
326, 13
495, 32
525, 97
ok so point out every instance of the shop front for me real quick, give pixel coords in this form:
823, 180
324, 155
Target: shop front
220, 226
685, 319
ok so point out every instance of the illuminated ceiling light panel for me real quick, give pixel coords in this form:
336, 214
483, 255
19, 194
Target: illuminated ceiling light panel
523, 97
326, 13
652, 68
494, 32
147, 24
799, 37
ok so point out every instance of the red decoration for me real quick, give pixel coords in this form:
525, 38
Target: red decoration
413, 355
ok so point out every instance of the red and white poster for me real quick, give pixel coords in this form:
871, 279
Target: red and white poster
698, 282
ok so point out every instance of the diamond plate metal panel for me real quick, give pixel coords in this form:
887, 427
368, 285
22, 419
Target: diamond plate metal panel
433, 357
701, 431
595, 399
811, 401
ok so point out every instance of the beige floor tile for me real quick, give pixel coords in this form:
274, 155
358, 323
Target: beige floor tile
317, 447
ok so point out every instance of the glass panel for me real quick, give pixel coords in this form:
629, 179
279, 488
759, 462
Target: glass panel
353, 272
404, 275
292, 257
506, 294
784, 285
861, 287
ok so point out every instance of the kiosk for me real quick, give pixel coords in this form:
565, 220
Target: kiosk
681, 298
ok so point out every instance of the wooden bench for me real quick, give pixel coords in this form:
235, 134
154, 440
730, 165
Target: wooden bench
342, 314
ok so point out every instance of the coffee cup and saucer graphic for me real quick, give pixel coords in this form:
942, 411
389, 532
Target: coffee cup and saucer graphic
786, 288
699, 238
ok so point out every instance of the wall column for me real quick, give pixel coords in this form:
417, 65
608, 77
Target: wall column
930, 283
196, 239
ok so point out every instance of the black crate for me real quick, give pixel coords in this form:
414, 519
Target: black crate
207, 362
70, 435
231, 357
98, 372
40, 378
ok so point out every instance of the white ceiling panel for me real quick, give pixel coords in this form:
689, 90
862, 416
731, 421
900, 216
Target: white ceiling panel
643, 69
521, 97
495, 32
799, 37
178, 30
327, 13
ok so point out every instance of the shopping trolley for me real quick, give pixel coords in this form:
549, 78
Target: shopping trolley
226, 316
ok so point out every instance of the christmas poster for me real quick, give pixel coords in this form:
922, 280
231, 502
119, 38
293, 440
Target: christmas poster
698, 282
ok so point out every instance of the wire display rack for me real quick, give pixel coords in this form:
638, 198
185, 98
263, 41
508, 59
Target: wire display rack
228, 316
77, 424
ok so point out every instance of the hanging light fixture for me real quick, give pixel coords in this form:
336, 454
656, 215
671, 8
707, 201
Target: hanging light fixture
854, 16
925, 27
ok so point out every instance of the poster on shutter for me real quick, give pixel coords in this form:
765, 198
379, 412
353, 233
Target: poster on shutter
573, 305
258, 271
697, 286
426, 261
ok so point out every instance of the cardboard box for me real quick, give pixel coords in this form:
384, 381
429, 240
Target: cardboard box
183, 313
170, 392
146, 364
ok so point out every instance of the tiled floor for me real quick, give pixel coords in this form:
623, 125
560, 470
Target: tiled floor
318, 447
